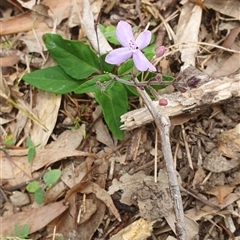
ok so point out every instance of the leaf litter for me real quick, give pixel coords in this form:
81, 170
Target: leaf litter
212, 137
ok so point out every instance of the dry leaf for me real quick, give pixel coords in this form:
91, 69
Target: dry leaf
229, 143
87, 22
221, 192
9, 60
127, 183
230, 8
36, 218
233, 34
103, 195
90, 208
153, 199
191, 226
77, 173
27, 4
187, 31
101, 129
5, 106
70, 139
47, 106
55, 192
198, 177
138, 230
16, 168
87, 229
216, 162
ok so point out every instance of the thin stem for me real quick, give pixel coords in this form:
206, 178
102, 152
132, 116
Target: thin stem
140, 84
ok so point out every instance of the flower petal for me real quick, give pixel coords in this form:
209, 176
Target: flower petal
124, 33
141, 62
118, 56
143, 39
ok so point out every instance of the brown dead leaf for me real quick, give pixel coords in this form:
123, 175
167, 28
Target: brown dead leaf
27, 4
87, 22
45, 157
103, 195
227, 65
189, 22
216, 162
86, 229
40, 13
229, 143
9, 60
36, 218
70, 139
55, 192
88, 208
5, 106
198, 177
228, 42
208, 211
47, 107
230, 8
191, 226
67, 221
77, 173
101, 129
221, 192
153, 199
16, 168
24, 22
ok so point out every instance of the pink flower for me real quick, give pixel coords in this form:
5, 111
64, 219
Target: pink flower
131, 47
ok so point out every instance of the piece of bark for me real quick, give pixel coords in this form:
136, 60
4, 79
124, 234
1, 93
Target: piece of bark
211, 92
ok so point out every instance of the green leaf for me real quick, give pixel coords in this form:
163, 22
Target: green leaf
31, 153
52, 176
106, 67
91, 86
25, 230
131, 90
114, 103
167, 78
52, 79
75, 58
8, 141
29, 142
109, 33
149, 49
17, 230
32, 186
126, 67
39, 196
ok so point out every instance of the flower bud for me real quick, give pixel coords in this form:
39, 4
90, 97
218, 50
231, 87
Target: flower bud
160, 51
163, 102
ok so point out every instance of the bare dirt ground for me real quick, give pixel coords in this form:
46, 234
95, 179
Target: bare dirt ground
112, 189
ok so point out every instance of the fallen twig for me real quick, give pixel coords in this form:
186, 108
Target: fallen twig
163, 125
215, 91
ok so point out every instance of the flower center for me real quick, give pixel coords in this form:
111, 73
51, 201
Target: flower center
132, 45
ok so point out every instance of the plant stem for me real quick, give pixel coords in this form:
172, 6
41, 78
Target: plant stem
163, 125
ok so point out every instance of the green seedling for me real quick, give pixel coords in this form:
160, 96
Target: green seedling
39, 188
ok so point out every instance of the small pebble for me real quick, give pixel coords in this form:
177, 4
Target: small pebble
19, 199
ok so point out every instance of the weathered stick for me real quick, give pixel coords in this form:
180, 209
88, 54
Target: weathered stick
215, 91
163, 125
